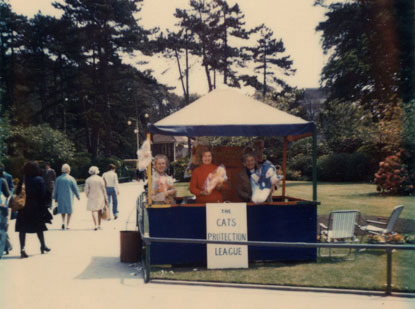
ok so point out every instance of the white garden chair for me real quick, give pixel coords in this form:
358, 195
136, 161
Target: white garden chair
381, 227
341, 229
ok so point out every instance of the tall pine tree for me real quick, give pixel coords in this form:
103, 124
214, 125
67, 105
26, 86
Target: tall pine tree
268, 59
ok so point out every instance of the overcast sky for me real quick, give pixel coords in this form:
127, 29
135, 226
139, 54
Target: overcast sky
292, 20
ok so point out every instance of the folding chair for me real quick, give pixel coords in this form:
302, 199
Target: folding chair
385, 228
341, 229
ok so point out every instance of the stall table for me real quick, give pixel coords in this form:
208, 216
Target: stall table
294, 221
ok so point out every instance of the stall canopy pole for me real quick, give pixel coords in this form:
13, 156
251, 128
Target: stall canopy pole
314, 164
284, 166
149, 175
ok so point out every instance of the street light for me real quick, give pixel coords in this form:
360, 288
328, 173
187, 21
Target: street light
136, 130
64, 114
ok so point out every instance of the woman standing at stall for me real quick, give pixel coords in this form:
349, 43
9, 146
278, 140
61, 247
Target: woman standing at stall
243, 187
199, 176
162, 191
34, 215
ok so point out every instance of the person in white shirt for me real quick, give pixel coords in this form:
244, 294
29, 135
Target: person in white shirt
111, 185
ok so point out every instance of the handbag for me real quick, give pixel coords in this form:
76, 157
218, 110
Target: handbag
47, 217
55, 211
17, 201
105, 213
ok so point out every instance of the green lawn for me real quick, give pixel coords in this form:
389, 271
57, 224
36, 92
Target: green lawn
360, 196
335, 196
368, 271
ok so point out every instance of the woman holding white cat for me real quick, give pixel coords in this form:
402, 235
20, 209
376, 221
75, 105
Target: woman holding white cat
162, 189
198, 184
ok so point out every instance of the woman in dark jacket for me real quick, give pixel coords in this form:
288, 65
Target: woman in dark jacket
32, 218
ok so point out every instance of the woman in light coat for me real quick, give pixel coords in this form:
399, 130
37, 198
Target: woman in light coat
65, 188
96, 194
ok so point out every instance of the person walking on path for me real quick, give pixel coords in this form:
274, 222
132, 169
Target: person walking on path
111, 185
32, 218
8, 178
65, 188
49, 176
5, 245
4, 188
96, 194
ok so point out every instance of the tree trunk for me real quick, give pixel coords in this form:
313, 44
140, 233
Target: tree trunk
208, 77
180, 72
94, 134
187, 97
225, 52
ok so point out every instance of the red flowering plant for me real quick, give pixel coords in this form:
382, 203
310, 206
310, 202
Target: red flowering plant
394, 177
394, 238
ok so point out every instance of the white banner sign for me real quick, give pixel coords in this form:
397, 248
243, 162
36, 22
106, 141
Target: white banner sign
226, 222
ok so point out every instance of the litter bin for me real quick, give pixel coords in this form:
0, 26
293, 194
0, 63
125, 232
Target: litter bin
130, 243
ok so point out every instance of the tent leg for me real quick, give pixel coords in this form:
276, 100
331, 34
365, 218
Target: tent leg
314, 164
149, 176
284, 167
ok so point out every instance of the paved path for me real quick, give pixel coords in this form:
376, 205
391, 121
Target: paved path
83, 270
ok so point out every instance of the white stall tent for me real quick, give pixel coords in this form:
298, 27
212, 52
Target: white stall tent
229, 112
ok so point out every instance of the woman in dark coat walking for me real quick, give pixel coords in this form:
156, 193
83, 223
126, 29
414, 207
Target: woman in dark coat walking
32, 218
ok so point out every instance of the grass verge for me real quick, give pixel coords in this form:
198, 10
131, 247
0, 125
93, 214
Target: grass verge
367, 272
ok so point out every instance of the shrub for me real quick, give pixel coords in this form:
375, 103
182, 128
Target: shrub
390, 239
41, 142
300, 158
375, 152
293, 175
393, 176
303, 164
103, 162
331, 167
5, 132
14, 165
410, 239
360, 167
79, 165
127, 174
179, 166
344, 167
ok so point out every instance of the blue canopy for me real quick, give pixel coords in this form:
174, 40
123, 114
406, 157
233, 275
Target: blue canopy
228, 112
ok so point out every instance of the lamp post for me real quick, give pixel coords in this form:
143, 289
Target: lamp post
64, 114
137, 130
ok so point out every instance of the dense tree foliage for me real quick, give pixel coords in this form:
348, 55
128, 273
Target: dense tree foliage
5, 132
63, 79
371, 49
371, 52
68, 73
370, 79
